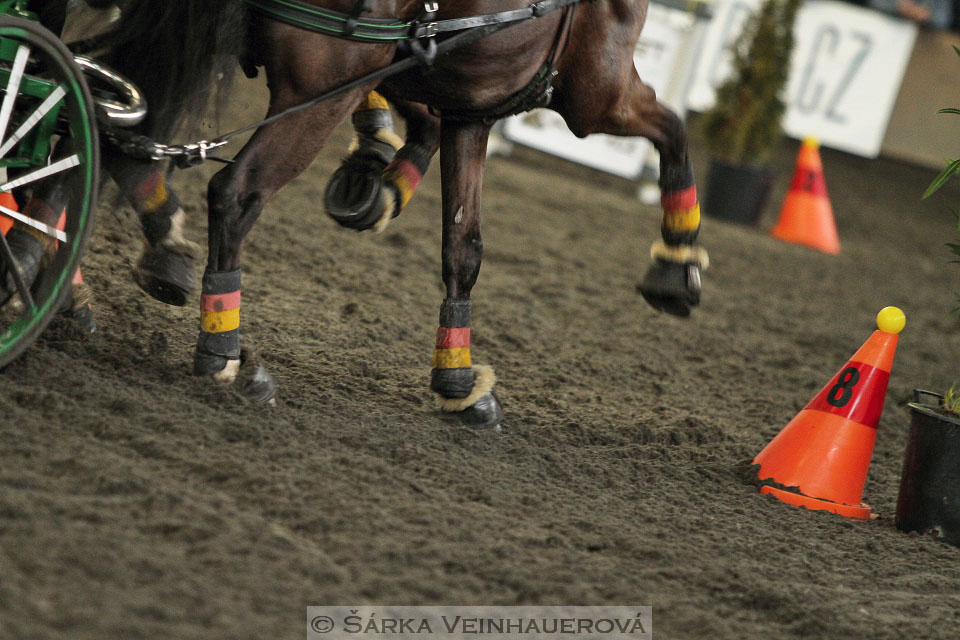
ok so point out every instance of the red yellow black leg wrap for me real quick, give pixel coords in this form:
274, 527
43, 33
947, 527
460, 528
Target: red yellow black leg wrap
403, 175
151, 199
219, 337
452, 375
151, 194
373, 124
681, 210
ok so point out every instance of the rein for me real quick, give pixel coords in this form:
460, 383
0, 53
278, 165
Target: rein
470, 29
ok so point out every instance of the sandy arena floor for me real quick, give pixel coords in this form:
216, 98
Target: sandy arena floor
137, 501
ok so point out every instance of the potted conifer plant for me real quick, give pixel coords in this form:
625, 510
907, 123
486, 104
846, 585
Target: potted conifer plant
744, 125
929, 499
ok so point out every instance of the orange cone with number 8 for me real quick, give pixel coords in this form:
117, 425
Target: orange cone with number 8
820, 459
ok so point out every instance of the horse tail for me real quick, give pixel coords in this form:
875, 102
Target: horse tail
182, 54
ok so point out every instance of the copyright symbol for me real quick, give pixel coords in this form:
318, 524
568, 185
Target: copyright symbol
322, 624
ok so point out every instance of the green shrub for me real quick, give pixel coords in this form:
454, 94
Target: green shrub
744, 124
951, 399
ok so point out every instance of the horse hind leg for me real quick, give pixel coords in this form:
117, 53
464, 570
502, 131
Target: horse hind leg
672, 283
381, 173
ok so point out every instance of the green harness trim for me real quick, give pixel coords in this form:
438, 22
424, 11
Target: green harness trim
306, 16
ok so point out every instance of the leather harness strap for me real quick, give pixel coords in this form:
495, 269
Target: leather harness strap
352, 27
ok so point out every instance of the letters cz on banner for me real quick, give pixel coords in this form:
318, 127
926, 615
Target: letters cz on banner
847, 67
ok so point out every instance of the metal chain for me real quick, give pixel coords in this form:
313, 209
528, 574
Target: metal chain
143, 148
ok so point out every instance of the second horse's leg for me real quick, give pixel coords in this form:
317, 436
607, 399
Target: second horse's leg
165, 269
465, 390
605, 95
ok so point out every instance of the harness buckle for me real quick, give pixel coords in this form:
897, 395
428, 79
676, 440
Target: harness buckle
430, 30
542, 8
431, 7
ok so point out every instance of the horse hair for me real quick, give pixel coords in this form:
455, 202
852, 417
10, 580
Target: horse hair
183, 55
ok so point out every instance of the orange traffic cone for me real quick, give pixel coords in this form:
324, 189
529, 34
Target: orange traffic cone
6, 222
807, 217
820, 459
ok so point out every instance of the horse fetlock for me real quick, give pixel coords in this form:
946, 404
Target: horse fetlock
229, 373
220, 368
452, 383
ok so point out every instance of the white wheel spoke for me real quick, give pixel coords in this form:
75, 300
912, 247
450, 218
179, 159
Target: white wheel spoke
34, 118
39, 226
13, 87
41, 173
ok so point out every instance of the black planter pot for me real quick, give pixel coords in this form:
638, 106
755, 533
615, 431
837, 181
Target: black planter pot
736, 193
929, 500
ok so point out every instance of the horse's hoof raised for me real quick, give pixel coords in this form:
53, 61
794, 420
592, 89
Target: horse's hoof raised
486, 413
672, 287
355, 196
28, 252
166, 275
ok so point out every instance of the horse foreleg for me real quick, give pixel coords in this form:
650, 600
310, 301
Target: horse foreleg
165, 269
381, 173
630, 108
275, 154
463, 389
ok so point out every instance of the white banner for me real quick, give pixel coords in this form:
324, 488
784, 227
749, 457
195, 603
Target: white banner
659, 58
845, 75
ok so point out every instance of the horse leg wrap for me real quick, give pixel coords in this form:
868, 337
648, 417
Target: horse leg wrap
401, 178
464, 390
165, 268
354, 195
672, 284
218, 343
28, 246
452, 375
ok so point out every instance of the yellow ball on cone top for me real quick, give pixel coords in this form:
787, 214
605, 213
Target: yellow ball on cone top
891, 320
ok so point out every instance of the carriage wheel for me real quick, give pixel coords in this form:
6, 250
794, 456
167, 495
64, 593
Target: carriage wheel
48, 147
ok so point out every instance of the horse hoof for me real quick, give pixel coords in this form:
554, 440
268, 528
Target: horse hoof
245, 375
28, 252
257, 385
83, 318
672, 287
486, 413
354, 197
254, 382
166, 275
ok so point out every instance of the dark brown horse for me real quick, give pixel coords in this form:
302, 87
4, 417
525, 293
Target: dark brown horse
584, 51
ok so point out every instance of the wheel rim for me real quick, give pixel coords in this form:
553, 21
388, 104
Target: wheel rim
34, 61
